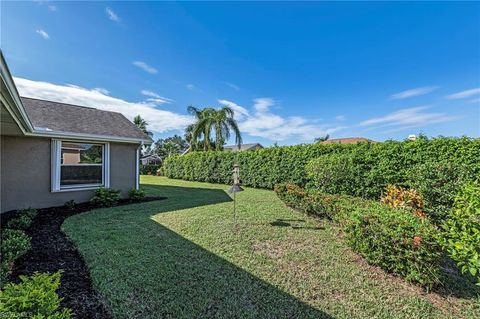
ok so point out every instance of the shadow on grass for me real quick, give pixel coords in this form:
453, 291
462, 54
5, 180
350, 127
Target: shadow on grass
146, 270
293, 223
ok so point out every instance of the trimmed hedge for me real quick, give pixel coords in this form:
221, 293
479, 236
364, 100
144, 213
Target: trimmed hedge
150, 169
372, 166
395, 239
461, 236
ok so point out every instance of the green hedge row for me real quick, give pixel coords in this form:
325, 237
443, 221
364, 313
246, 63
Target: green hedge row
393, 239
380, 164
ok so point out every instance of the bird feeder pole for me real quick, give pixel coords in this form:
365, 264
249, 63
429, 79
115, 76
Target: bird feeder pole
235, 189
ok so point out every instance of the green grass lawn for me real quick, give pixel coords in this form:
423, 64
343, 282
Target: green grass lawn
184, 258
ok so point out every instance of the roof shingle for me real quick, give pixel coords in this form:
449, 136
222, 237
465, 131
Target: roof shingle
68, 118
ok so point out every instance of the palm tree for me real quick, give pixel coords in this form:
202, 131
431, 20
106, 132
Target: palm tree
221, 121
142, 125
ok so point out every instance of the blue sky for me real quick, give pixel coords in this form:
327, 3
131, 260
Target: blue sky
291, 71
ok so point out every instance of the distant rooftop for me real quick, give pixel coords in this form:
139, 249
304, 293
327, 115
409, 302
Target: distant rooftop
347, 140
243, 147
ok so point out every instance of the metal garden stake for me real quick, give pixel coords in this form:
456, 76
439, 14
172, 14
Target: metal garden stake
235, 188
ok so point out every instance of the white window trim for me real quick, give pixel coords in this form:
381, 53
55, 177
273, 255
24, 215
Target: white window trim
56, 165
137, 168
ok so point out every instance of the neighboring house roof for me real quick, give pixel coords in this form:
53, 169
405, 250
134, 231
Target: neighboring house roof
49, 116
243, 147
154, 156
347, 140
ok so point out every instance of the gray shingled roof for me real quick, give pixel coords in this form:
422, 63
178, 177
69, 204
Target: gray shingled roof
61, 117
243, 147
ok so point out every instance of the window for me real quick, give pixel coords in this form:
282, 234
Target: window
79, 165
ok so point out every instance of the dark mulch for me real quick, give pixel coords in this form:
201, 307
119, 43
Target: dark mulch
51, 251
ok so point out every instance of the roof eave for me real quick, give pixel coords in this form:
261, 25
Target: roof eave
90, 137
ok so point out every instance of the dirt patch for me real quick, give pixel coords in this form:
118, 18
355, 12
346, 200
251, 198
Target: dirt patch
51, 251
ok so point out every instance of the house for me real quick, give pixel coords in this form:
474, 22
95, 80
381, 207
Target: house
243, 147
347, 140
150, 159
53, 152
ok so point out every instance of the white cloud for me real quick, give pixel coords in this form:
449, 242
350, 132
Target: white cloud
233, 86
100, 90
240, 111
112, 15
154, 97
144, 66
464, 94
192, 87
474, 101
51, 7
409, 117
262, 104
159, 120
340, 117
263, 123
43, 34
413, 92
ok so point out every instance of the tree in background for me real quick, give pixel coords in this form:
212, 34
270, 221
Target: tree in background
321, 139
166, 147
142, 125
220, 121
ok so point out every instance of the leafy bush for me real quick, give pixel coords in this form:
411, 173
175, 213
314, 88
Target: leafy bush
318, 203
14, 244
397, 241
34, 297
392, 238
371, 167
105, 197
23, 220
438, 182
461, 236
399, 197
150, 169
136, 194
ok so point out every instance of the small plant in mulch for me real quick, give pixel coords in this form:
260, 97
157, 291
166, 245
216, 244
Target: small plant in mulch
34, 297
105, 197
136, 195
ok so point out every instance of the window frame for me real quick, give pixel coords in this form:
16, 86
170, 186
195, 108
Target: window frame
57, 164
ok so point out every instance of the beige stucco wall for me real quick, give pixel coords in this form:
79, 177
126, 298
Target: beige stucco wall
25, 173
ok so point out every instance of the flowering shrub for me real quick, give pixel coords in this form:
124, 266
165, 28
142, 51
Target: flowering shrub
397, 241
392, 238
461, 236
399, 197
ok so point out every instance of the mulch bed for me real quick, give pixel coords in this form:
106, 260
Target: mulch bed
51, 251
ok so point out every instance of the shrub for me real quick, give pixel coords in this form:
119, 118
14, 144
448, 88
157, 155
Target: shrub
105, 197
23, 220
371, 167
34, 297
136, 195
14, 243
392, 238
461, 236
150, 169
397, 241
399, 197
438, 182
